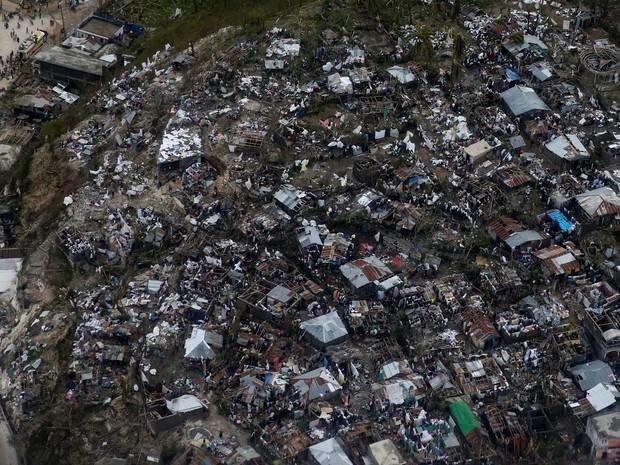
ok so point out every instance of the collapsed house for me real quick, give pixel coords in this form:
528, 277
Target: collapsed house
603, 432
515, 236
560, 261
317, 384
482, 377
369, 275
181, 144
601, 205
567, 148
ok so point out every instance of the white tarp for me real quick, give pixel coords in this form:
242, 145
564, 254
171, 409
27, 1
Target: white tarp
339, 84
197, 347
9, 268
402, 75
602, 396
184, 404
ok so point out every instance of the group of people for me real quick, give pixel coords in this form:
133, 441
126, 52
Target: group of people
8, 65
20, 27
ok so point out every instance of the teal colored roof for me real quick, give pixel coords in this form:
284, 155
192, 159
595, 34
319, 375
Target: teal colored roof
464, 418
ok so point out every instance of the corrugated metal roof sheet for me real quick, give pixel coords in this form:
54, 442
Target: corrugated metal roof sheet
522, 99
558, 260
599, 202
523, 237
504, 227
568, 147
364, 271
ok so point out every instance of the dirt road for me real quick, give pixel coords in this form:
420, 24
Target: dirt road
50, 21
8, 455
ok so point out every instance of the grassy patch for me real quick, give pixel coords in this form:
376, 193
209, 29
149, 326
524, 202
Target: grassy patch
59, 270
482, 4
50, 177
53, 129
50, 131
198, 19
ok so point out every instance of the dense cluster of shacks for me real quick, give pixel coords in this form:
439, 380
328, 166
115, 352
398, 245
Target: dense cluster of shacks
352, 257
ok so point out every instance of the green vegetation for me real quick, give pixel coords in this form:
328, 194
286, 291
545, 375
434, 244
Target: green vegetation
408, 11
60, 273
50, 131
457, 57
517, 38
424, 52
482, 4
456, 9
53, 129
198, 19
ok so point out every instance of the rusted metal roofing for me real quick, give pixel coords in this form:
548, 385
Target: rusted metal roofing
335, 248
514, 178
365, 271
370, 271
599, 202
505, 227
558, 260
478, 326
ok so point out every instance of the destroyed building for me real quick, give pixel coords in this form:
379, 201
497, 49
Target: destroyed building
386, 236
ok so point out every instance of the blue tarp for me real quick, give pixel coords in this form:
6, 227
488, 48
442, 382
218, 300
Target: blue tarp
417, 180
134, 29
560, 220
512, 75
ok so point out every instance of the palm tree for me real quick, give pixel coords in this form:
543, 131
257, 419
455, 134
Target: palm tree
456, 10
457, 57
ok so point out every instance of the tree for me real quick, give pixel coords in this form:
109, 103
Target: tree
457, 57
425, 51
456, 9
455, 71
458, 47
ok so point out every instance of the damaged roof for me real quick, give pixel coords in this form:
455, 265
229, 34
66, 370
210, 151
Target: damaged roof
70, 59
329, 452
325, 328
364, 271
522, 100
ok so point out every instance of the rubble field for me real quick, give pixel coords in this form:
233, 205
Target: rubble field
329, 232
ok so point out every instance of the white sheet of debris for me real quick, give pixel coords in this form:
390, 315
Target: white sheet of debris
184, 404
284, 47
179, 144
181, 140
9, 271
401, 74
339, 84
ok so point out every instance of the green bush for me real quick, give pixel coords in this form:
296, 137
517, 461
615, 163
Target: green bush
206, 19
